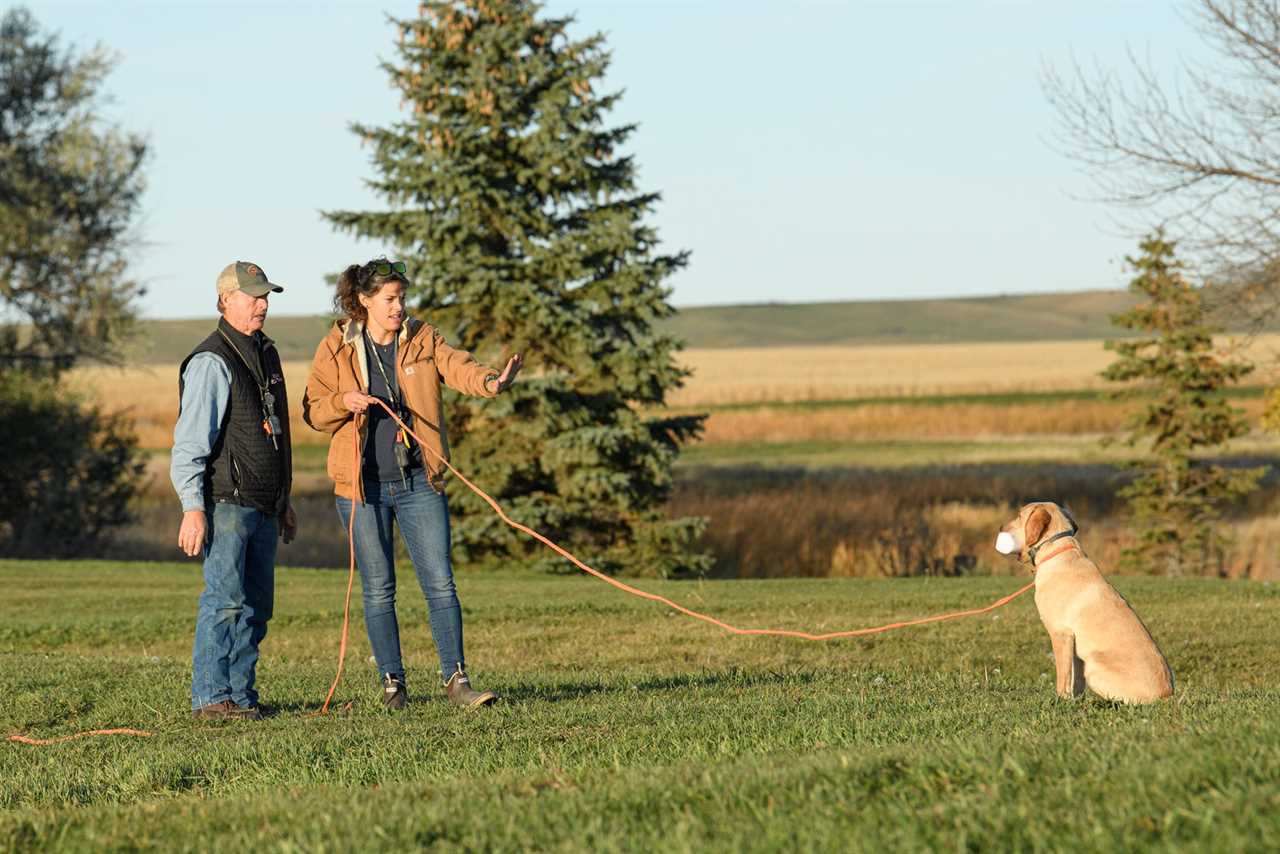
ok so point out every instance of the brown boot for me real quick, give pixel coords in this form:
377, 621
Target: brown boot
218, 711
394, 694
460, 693
227, 710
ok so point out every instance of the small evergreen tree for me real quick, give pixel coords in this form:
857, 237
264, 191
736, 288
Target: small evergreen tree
1175, 500
509, 196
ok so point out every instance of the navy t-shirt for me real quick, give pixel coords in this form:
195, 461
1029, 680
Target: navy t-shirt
379, 450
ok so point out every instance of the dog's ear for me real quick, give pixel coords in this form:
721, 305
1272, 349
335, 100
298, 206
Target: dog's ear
1037, 524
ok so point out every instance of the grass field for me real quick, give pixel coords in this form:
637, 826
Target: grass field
627, 728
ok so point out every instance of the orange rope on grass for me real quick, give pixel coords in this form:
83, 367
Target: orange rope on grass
44, 742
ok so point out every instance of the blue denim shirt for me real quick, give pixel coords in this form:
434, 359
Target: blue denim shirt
206, 393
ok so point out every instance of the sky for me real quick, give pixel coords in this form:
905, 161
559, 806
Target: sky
805, 151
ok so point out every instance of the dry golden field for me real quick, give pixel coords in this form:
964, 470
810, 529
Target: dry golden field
785, 374
791, 374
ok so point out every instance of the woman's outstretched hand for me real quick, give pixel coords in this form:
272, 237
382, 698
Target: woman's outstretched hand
508, 375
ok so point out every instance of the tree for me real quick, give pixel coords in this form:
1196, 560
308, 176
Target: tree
1196, 155
1176, 500
510, 197
69, 188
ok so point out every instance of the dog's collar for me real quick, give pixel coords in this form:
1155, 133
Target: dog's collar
1061, 549
1034, 550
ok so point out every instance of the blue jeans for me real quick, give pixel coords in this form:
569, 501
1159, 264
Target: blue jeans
231, 619
422, 514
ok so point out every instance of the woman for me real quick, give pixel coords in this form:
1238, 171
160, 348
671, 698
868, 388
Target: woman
376, 352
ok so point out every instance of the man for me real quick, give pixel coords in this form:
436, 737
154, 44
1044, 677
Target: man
232, 467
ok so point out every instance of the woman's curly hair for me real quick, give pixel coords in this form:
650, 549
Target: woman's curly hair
360, 279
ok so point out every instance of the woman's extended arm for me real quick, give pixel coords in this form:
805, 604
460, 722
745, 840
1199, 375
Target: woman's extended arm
461, 372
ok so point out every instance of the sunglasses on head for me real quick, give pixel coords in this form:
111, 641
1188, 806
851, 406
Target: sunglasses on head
385, 268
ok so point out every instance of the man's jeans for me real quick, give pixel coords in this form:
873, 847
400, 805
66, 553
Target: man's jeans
422, 515
239, 589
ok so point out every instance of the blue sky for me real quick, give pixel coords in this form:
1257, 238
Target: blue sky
805, 151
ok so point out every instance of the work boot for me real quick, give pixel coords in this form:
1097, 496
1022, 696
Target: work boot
218, 711
460, 692
394, 694
245, 713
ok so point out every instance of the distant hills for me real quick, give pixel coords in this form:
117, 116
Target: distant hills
1071, 316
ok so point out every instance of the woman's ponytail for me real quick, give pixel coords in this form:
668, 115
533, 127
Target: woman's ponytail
346, 301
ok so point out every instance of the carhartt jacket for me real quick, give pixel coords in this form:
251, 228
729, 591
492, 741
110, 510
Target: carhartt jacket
424, 361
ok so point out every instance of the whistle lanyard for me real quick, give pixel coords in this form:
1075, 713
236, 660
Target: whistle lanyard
402, 438
270, 422
392, 392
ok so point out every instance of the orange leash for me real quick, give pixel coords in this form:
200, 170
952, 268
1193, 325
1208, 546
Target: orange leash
653, 597
351, 574
42, 742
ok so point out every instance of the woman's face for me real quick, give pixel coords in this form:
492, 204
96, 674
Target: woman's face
386, 307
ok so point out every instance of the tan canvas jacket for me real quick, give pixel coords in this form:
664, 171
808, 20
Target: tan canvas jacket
424, 360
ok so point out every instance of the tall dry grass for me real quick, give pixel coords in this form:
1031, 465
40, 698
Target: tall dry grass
788, 374
916, 421
937, 521
149, 394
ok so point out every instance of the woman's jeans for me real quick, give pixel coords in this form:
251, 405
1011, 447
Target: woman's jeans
422, 514
231, 619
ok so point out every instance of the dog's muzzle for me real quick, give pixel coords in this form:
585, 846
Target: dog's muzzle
1005, 543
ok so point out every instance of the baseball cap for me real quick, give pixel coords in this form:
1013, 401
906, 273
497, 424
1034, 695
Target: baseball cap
248, 277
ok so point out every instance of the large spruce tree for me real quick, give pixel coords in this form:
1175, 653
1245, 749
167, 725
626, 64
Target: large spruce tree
1176, 500
518, 211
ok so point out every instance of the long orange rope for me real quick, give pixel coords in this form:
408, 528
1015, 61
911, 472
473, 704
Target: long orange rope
42, 742
654, 597
626, 588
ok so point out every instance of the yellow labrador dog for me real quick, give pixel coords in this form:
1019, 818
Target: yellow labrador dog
1097, 637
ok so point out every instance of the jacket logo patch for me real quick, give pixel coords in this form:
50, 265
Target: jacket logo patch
276, 378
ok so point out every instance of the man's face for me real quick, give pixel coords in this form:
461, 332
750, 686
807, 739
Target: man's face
246, 314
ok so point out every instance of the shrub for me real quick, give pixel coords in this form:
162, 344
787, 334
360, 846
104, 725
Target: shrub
70, 471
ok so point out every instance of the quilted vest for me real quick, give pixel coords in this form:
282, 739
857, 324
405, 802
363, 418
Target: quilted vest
244, 466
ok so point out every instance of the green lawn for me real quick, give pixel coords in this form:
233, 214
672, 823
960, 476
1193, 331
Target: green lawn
627, 727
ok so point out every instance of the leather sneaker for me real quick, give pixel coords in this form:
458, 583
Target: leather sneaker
394, 694
460, 693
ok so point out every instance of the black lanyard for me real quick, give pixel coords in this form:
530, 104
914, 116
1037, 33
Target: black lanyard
270, 423
392, 392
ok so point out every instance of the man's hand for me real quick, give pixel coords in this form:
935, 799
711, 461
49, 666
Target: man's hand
289, 525
193, 532
508, 375
357, 401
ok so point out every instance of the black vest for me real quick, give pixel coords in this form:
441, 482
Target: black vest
243, 466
